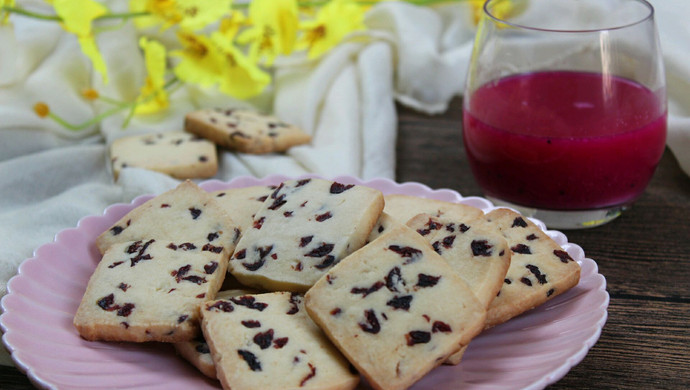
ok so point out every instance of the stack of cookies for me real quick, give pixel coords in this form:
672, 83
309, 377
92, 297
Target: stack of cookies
312, 283
192, 153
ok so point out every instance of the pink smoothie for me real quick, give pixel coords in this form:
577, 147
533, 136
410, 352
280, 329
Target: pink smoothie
553, 140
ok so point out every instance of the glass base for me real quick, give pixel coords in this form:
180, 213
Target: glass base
565, 219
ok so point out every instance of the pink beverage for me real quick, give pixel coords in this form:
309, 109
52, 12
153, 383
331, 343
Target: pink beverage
564, 140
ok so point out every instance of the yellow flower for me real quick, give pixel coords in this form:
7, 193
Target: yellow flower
190, 15
333, 22
274, 29
229, 26
5, 15
153, 96
241, 77
199, 60
501, 9
77, 17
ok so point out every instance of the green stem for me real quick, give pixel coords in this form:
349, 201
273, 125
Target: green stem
55, 18
22, 11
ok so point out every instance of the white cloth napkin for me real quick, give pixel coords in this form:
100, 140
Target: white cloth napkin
414, 55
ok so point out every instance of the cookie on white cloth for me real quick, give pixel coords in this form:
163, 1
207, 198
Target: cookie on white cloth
245, 131
395, 309
303, 228
539, 268
151, 290
185, 213
405, 207
179, 154
267, 341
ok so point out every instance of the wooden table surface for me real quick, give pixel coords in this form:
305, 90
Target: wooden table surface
644, 255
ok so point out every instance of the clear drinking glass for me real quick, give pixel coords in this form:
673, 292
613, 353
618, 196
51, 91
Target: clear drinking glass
564, 113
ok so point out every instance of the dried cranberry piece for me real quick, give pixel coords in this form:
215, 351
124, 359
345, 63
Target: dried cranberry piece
417, 337
138, 248
210, 267
522, 249
241, 254
321, 251
125, 310
264, 339
550, 292
287, 214
327, 262
172, 246
251, 359
481, 248
278, 202
182, 318
254, 266
402, 303
367, 290
115, 264
116, 230
187, 246
221, 306
195, 279
393, 279
464, 228
212, 236
195, 212
563, 255
337, 188
406, 251
312, 373
251, 324
336, 311
372, 323
262, 198
519, 222
212, 248
531, 237
304, 241
302, 182
249, 302
324, 216
430, 225
106, 303
259, 223
541, 278
448, 242
264, 251
280, 342
440, 326
294, 301
425, 280
181, 272
526, 281
124, 286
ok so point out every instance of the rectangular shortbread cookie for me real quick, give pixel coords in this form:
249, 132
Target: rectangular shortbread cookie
242, 203
302, 229
179, 154
267, 341
185, 213
539, 268
404, 207
150, 290
396, 309
245, 131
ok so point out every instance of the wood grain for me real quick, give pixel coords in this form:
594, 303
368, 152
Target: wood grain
644, 255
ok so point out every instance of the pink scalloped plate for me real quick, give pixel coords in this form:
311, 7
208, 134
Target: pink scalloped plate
529, 352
